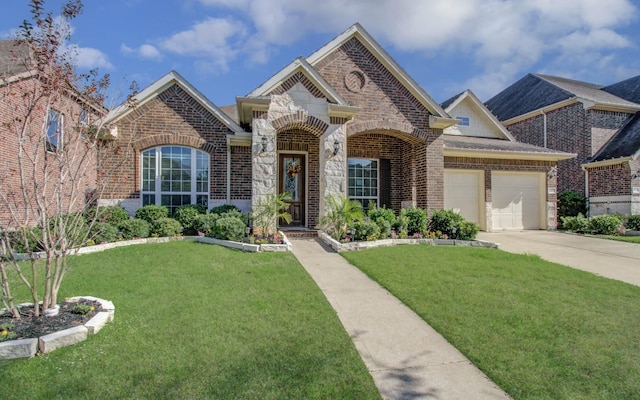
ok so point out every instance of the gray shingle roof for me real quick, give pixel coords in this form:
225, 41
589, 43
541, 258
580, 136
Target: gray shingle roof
448, 102
489, 144
536, 91
628, 89
12, 57
625, 143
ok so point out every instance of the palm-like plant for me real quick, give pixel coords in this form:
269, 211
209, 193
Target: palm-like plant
268, 211
341, 212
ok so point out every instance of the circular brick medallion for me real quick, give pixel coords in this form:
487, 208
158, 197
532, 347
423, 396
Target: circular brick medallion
354, 81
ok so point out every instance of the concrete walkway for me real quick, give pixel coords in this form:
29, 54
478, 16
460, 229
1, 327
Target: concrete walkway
608, 258
405, 356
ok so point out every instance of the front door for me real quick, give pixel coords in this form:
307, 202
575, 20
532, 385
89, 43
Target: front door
291, 180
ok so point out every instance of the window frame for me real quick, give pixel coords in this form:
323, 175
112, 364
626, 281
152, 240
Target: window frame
464, 121
364, 200
58, 133
151, 177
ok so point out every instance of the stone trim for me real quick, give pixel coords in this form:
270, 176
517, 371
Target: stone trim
300, 120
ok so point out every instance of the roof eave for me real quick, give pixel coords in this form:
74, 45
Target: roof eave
441, 122
507, 155
604, 163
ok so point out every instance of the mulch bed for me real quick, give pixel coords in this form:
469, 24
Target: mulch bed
33, 327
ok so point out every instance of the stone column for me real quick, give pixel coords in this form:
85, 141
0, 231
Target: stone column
263, 162
333, 168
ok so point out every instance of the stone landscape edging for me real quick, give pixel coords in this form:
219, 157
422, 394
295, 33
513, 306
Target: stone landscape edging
354, 246
27, 348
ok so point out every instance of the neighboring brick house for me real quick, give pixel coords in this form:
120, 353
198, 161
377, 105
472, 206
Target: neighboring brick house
46, 164
597, 123
345, 121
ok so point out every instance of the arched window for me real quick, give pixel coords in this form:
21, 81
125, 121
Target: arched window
174, 175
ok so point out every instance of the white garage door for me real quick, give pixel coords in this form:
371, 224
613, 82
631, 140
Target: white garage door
462, 191
516, 200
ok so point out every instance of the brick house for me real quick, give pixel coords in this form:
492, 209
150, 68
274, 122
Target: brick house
48, 166
599, 124
345, 121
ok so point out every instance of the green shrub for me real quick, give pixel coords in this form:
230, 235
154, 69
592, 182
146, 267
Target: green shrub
166, 227
401, 226
152, 213
633, 222
32, 242
205, 223
446, 221
365, 230
571, 204
134, 228
74, 226
384, 217
223, 209
229, 227
417, 220
113, 215
467, 230
578, 224
605, 224
103, 232
187, 215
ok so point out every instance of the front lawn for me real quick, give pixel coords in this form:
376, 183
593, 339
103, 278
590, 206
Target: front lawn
538, 329
196, 321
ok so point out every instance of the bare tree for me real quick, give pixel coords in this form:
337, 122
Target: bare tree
52, 132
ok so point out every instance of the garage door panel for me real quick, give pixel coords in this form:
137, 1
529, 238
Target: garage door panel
462, 193
516, 201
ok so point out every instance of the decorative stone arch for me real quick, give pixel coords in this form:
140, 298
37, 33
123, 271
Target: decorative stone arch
401, 130
171, 139
301, 120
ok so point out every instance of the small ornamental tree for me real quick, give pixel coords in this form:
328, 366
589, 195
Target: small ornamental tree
51, 127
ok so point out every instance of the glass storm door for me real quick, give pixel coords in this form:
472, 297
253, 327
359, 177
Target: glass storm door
291, 180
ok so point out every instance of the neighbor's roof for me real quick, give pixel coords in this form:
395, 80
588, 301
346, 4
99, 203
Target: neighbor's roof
625, 144
467, 146
537, 91
628, 89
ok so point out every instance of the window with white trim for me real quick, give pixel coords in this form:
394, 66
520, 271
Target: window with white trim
174, 175
54, 125
363, 180
464, 121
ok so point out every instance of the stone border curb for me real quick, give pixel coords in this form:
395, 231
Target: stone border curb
253, 248
27, 348
354, 246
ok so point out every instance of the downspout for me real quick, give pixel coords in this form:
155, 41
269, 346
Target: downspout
544, 128
228, 172
586, 189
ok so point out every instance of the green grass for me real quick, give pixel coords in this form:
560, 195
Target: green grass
196, 321
628, 239
538, 329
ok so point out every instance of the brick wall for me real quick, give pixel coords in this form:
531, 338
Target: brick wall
173, 117
610, 180
240, 172
604, 124
23, 120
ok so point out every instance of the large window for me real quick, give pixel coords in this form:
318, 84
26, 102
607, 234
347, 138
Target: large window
54, 130
363, 180
173, 176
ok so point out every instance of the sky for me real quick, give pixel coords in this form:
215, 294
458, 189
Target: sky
227, 48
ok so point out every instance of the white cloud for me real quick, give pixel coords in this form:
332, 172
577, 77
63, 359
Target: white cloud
89, 58
505, 38
215, 40
146, 51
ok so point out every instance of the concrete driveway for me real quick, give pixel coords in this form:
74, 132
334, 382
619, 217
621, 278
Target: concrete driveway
608, 258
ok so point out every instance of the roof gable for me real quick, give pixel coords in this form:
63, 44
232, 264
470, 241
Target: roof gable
359, 33
526, 95
159, 86
625, 143
628, 89
299, 71
483, 122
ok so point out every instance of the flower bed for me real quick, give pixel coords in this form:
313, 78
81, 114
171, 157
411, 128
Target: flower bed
352, 246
